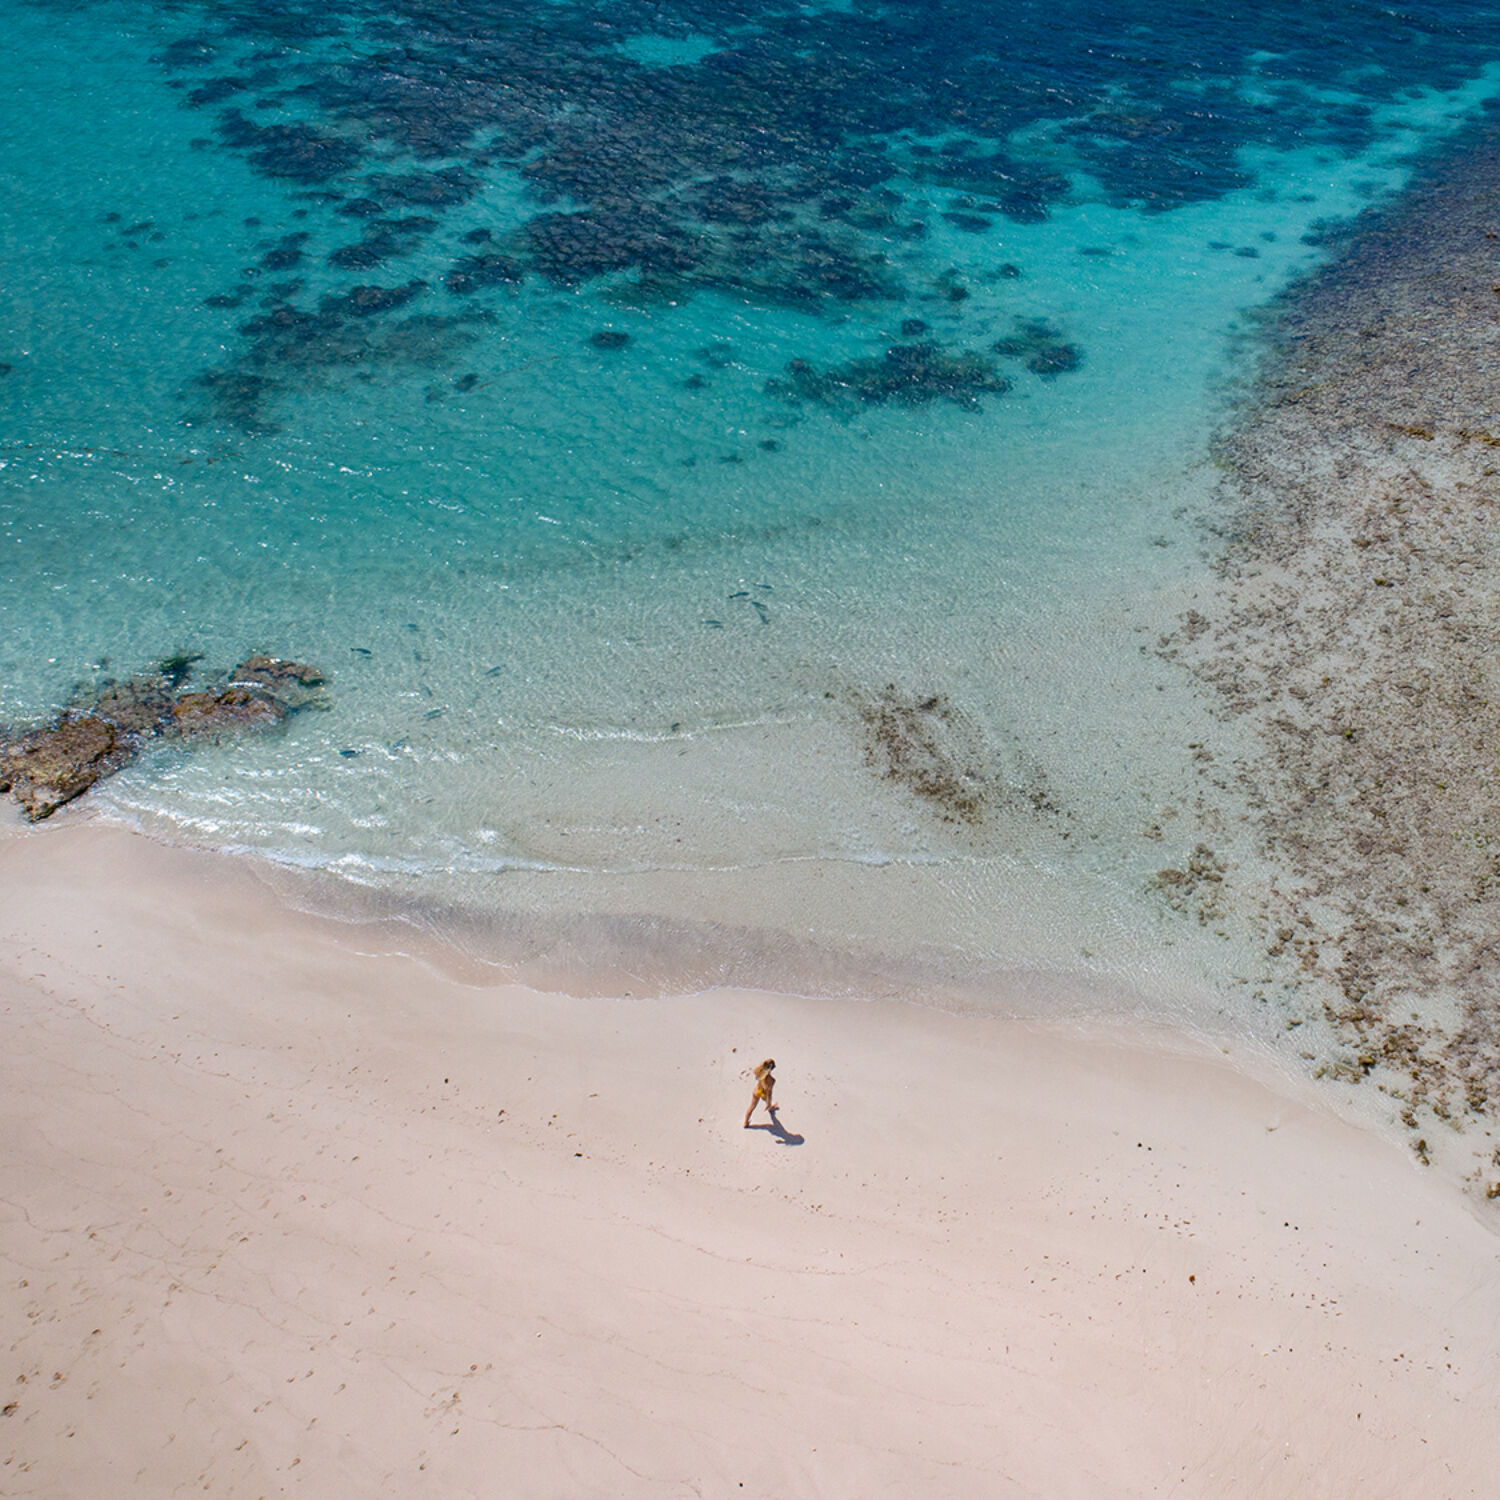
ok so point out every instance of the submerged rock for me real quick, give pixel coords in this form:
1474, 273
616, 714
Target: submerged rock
224, 711
47, 767
108, 726
138, 707
292, 682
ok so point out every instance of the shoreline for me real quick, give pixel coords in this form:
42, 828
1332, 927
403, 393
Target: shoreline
276, 1234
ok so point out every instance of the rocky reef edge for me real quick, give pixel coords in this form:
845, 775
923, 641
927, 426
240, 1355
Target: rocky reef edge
109, 724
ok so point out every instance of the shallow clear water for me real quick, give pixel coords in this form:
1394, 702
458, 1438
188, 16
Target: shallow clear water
628, 405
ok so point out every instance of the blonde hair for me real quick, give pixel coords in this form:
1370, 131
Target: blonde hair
765, 1067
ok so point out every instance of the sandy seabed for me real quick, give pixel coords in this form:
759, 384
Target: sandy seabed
286, 1211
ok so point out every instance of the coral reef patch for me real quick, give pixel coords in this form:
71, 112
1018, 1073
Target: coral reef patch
788, 157
1040, 347
907, 374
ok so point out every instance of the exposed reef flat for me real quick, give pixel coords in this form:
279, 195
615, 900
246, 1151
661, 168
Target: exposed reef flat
1356, 629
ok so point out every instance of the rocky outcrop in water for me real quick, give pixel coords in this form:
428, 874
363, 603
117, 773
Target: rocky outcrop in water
293, 683
46, 767
109, 724
224, 711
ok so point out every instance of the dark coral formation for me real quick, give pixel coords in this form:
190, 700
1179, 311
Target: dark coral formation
1039, 347
287, 343
300, 152
908, 374
383, 240
793, 157
476, 273
1354, 633
111, 723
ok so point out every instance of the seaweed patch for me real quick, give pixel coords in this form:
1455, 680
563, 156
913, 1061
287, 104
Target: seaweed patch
923, 743
940, 755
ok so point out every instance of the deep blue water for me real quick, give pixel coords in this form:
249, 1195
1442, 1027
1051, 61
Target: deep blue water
639, 409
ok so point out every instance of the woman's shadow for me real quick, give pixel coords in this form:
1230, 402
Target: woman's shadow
784, 1137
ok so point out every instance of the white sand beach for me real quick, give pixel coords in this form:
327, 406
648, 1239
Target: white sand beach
282, 1216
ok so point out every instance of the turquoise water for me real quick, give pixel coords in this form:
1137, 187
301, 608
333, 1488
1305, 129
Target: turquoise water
632, 488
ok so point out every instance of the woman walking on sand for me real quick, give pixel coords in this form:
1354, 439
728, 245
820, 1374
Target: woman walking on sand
765, 1081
